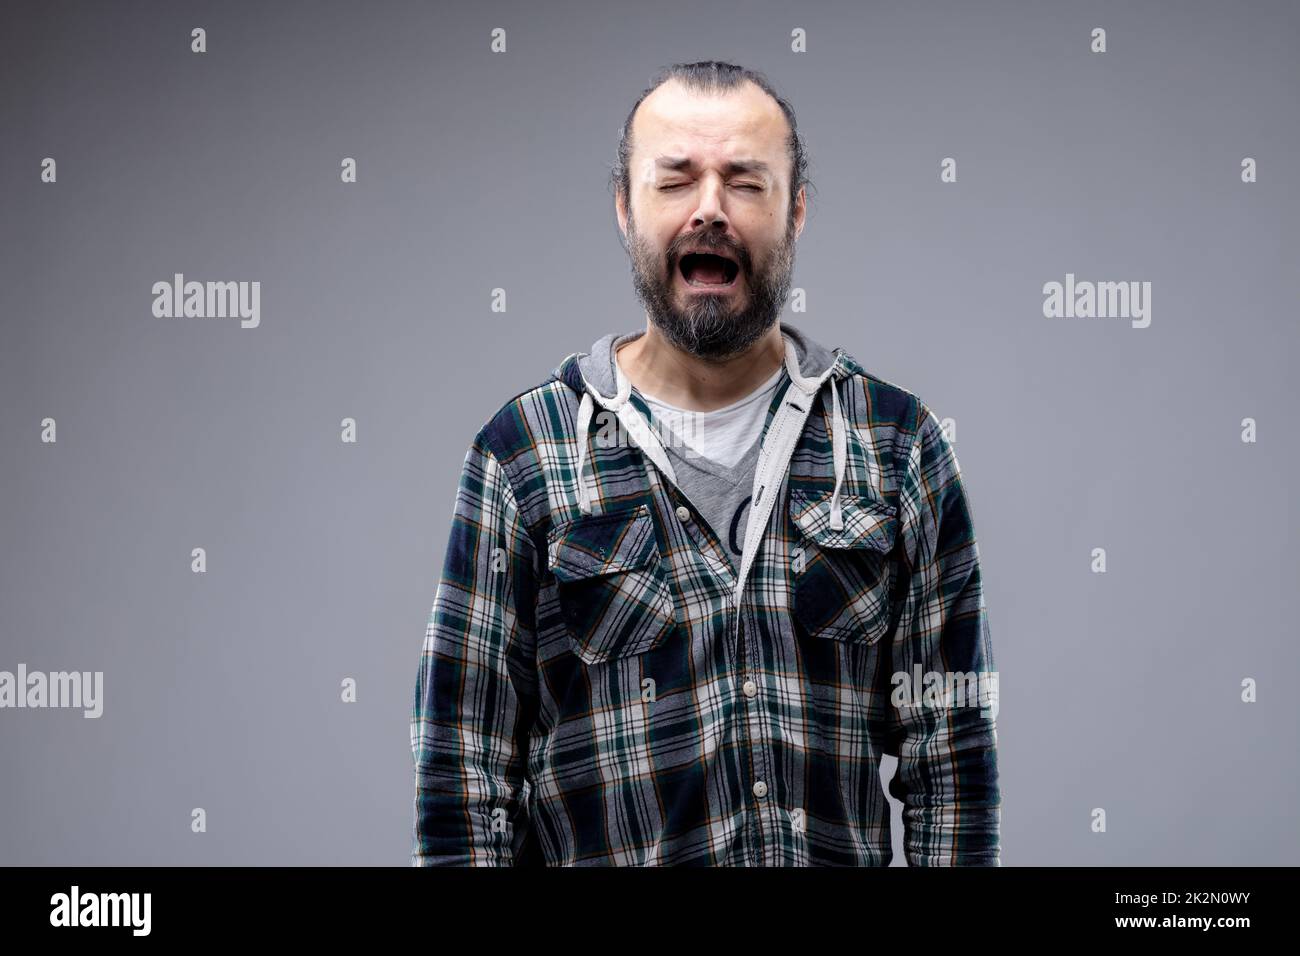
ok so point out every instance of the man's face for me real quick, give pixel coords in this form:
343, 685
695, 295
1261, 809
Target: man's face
711, 173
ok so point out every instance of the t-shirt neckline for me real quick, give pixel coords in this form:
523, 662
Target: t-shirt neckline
766, 386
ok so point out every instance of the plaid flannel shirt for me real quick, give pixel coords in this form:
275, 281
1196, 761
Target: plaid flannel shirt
591, 690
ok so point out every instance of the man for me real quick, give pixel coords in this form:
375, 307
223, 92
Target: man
690, 572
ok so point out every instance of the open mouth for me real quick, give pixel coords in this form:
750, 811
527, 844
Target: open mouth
708, 271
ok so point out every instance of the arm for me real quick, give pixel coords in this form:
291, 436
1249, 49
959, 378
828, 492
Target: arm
476, 686
947, 776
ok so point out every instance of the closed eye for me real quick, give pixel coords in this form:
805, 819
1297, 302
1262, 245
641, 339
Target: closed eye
749, 186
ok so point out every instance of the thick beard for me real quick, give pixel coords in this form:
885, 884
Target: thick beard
708, 329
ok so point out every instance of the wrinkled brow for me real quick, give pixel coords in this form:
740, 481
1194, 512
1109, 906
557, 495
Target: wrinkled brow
678, 163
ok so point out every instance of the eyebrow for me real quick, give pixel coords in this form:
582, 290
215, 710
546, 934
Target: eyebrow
676, 163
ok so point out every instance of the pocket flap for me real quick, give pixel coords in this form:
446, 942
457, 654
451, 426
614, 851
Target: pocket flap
869, 522
595, 545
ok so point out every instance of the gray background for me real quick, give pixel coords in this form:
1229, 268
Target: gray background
479, 170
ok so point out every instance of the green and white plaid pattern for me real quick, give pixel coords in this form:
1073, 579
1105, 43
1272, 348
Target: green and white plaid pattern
589, 693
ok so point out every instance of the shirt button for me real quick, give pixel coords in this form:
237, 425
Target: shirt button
683, 513
750, 688
760, 789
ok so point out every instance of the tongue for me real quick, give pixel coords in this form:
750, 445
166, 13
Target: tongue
708, 275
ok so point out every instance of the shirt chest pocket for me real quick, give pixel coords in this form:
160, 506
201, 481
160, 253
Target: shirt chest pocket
842, 579
611, 584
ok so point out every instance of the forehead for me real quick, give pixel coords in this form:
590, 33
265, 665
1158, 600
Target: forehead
676, 121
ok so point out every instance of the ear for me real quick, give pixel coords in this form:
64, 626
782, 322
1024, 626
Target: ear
620, 210
800, 210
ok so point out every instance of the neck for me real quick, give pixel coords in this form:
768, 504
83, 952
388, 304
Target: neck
658, 368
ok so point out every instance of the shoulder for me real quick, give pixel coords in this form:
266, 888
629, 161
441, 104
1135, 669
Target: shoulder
890, 414
521, 435
522, 422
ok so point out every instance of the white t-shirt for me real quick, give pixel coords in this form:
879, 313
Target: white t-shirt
723, 434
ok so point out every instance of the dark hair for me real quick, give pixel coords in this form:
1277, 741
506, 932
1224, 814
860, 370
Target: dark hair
711, 76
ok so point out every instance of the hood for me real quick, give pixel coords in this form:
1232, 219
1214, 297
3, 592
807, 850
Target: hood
596, 367
809, 366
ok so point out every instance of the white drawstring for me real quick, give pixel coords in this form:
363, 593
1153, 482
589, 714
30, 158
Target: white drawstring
839, 448
839, 452
631, 423
584, 419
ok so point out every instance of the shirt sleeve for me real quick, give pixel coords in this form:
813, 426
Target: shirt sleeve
475, 691
943, 728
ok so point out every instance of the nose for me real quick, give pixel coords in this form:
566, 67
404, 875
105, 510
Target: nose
709, 212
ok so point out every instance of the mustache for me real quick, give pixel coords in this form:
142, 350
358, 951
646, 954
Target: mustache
709, 242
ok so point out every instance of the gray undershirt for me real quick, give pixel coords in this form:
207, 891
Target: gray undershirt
719, 493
